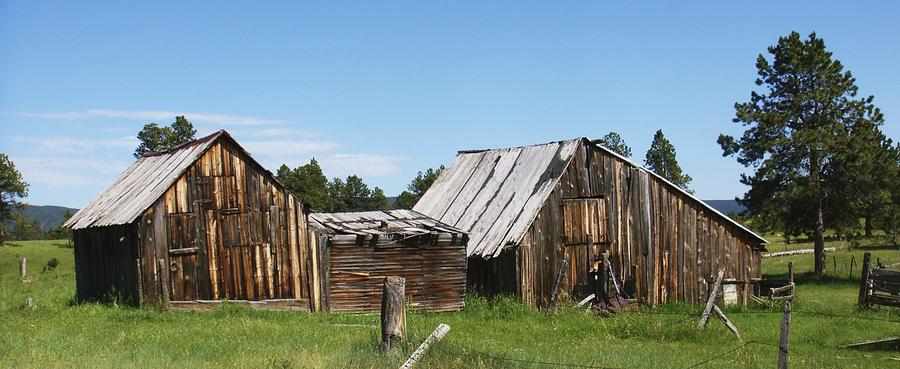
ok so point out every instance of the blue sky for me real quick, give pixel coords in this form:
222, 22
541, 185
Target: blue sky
385, 89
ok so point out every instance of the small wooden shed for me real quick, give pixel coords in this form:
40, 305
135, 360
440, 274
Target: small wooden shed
358, 250
527, 209
200, 223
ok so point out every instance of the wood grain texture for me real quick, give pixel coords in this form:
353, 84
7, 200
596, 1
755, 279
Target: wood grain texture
663, 244
361, 249
221, 223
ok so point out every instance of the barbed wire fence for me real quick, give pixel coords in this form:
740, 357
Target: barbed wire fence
476, 354
518, 362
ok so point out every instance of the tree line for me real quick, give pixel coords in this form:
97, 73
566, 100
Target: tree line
23, 229
816, 156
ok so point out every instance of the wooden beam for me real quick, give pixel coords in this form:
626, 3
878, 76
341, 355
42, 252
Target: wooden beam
886, 343
184, 251
586, 300
782, 289
612, 274
557, 284
727, 322
164, 282
139, 299
435, 336
713, 294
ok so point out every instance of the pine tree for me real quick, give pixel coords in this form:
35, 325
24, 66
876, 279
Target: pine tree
797, 130
155, 138
417, 187
615, 143
661, 160
309, 184
12, 189
353, 194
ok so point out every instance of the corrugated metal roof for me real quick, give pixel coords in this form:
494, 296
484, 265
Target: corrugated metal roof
365, 223
495, 195
140, 185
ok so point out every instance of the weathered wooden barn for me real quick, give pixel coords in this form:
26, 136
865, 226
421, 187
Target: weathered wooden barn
199, 223
526, 209
358, 250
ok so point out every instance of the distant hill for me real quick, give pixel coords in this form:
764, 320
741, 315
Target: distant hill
726, 206
48, 215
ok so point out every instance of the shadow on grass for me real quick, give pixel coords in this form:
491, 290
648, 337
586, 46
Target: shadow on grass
810, 278
875, 248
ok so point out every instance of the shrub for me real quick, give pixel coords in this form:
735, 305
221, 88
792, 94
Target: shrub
51, 264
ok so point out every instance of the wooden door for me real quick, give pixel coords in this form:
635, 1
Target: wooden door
233, 256
583, 237
183, 251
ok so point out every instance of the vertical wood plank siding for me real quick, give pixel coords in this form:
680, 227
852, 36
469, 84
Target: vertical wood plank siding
105, 263
663, 245
225, 230
231, 232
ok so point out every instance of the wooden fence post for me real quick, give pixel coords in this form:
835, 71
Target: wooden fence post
393, 313
557, 284
435, 336
746, 291
713, 294
791, 271
852, 263
784, 344
864, 281
22, 267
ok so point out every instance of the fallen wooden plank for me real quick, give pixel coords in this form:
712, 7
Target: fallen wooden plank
557, 284
781, 289
887, 343
435, 336
585, 301
727, 322
758, 300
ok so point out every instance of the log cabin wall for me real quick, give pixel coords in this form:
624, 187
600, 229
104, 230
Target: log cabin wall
225, 230
434, 266
665, 246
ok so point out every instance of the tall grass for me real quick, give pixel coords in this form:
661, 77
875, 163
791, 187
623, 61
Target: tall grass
499, 333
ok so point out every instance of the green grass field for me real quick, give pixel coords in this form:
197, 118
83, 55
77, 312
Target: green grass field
489, 334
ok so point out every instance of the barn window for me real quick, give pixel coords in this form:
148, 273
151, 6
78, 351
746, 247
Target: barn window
182, 232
